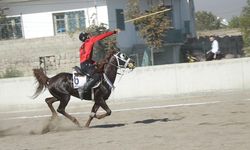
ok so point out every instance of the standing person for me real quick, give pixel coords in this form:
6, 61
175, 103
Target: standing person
86, 62
215, 49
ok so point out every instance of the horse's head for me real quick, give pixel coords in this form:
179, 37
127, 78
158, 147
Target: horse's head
123, 61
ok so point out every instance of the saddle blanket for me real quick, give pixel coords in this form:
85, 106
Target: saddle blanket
78, 81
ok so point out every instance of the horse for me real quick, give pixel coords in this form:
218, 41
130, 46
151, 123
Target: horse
61, 87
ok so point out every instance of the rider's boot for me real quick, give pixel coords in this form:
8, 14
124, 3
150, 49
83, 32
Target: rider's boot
89, 84
84, 90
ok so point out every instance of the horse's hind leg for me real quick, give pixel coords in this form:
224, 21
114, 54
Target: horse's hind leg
104, 106
93, 114
50, 101
61, 109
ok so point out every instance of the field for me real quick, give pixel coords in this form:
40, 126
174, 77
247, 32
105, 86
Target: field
215, 121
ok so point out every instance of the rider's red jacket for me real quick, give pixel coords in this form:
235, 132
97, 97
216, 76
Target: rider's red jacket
87, 47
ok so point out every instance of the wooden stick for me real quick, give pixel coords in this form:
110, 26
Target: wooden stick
131, 20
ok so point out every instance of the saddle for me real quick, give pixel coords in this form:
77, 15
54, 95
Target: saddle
80, 72
80, 78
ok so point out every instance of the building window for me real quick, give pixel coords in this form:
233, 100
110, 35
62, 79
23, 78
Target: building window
11, 28
120, 24
47, 63
69, 21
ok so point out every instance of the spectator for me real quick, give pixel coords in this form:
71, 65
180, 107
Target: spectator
215, 49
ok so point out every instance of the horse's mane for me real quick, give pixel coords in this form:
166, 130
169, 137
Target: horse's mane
109, 54
105, 60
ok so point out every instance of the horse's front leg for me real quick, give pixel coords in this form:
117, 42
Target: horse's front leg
104, 106
61, 109
93, 114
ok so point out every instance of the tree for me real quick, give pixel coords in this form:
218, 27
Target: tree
101, 47
245, 24
152, 28
234, 22
206, 21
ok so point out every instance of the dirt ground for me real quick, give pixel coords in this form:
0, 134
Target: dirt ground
210, 122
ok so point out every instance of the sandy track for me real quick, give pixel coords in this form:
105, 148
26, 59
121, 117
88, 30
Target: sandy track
213, 122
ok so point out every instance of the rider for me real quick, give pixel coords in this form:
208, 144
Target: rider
86, 62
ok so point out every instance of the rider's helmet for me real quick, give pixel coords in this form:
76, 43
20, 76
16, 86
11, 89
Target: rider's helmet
83, 36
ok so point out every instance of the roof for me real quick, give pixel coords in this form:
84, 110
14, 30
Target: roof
15, 1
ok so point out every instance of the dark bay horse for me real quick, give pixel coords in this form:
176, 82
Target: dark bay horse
61, 87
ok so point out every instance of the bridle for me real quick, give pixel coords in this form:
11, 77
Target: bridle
118, 66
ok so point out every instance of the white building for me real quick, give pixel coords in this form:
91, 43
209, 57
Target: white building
44, 18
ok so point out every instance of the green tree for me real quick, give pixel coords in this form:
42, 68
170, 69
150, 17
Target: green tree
234, 22
245, 25
151, 24
11, 73
206, 21
101, 47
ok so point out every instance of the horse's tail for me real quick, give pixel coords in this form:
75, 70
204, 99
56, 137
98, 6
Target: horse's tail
42, 81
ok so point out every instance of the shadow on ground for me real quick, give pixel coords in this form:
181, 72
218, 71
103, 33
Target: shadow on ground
8, 132
56, 126
109, 125
149, 121
146, 121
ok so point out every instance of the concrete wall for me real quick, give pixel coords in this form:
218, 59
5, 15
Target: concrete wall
156, 81
23, 55
187, 78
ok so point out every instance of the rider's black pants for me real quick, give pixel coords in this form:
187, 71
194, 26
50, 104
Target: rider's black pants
89, 68
210, 56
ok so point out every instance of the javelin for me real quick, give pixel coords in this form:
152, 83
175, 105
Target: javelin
130, 20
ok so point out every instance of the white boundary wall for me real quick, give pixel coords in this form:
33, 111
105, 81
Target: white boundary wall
233, 74
156, 81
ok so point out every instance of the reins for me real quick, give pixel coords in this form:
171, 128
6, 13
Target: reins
118, 66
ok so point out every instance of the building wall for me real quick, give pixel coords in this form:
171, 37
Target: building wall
38, 22
37, 17
129, 36
37, 25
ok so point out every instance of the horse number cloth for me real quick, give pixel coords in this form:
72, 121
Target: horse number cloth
78, 81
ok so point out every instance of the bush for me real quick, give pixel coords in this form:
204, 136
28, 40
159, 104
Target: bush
11, 73
247, 51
